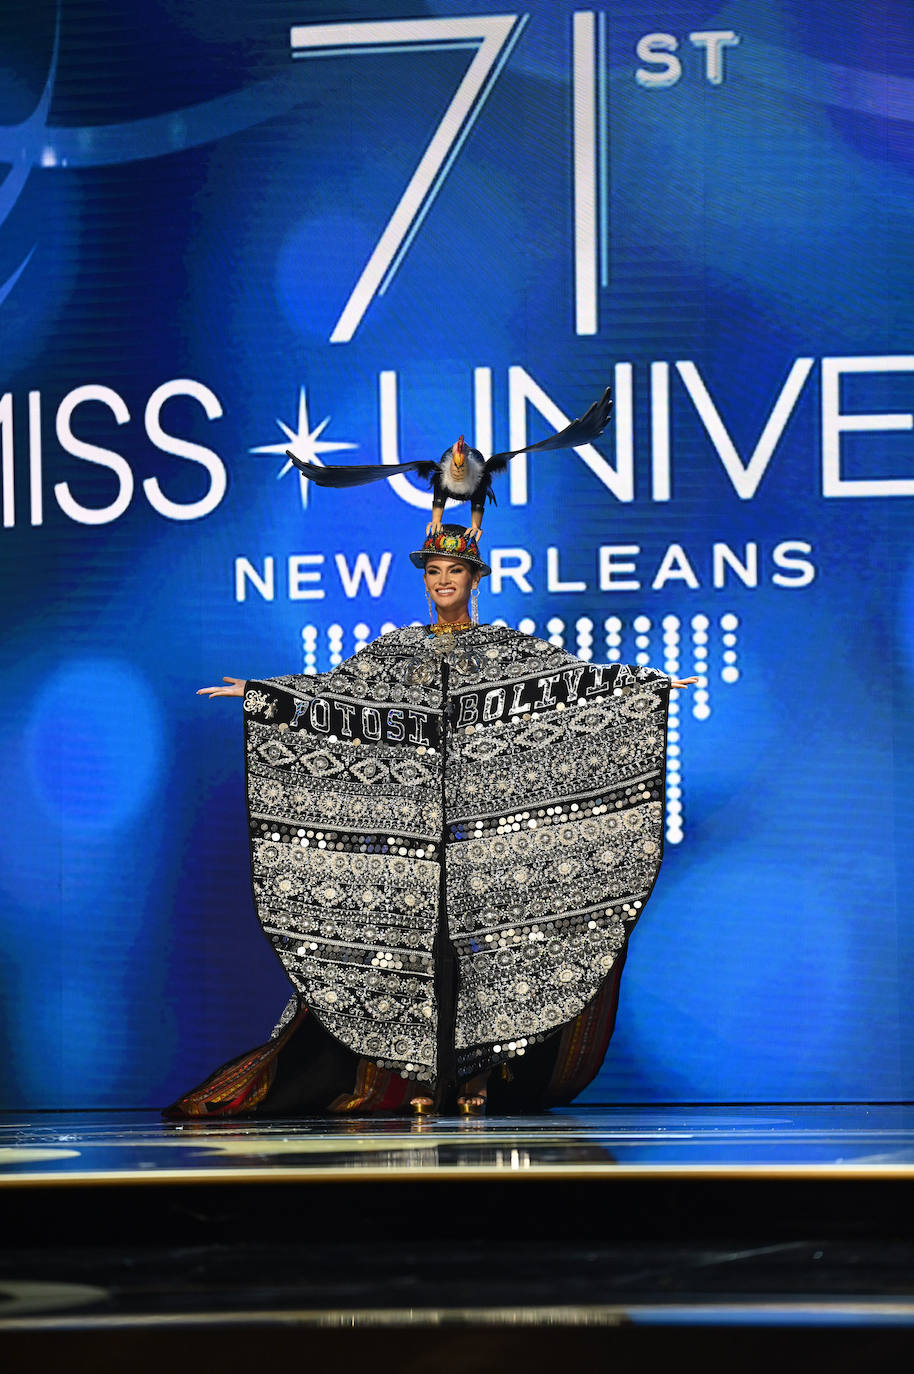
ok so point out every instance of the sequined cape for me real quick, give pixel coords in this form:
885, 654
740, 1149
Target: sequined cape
451, 841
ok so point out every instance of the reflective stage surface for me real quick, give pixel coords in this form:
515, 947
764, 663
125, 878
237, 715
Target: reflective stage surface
631, 1218
814, 1141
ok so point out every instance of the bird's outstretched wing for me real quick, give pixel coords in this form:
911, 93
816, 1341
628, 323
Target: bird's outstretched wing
357, 474
590, 426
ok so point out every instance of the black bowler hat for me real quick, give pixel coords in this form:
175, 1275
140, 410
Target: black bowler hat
451, 542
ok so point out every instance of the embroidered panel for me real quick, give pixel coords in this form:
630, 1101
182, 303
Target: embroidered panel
544, 891
346, 822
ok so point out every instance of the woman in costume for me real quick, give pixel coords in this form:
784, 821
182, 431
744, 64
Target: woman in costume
453, 834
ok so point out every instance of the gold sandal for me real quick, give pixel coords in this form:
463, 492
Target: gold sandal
473, 1104
473, 1100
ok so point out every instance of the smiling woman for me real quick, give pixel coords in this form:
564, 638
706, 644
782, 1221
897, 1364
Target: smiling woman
453, 835
453, 570
448, 582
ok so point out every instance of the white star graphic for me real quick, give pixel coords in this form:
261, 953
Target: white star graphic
306, 442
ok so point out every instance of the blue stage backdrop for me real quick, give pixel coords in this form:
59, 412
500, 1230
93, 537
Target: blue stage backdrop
365, 228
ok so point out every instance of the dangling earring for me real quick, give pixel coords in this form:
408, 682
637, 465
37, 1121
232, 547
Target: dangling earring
431, 608
474, 602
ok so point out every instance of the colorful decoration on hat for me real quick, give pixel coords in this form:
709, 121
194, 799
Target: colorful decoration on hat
447, 542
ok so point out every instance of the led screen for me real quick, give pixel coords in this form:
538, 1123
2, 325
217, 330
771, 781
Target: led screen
364, 229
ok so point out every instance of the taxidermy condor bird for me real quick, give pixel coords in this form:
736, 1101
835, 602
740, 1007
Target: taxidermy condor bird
461, 473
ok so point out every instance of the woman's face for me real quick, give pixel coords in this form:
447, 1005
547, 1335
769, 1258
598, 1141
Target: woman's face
449, 581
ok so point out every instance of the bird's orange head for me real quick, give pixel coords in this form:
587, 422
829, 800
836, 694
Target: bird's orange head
459, 452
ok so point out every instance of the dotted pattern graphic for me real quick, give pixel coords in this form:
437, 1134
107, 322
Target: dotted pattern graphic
685, 648
701, 696
672, 665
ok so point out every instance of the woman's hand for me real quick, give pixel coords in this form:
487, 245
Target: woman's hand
683, 681
235, 690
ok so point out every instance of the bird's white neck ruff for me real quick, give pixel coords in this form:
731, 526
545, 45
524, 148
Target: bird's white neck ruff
466, 480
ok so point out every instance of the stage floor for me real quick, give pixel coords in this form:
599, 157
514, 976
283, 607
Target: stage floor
623, 1217
847, 1141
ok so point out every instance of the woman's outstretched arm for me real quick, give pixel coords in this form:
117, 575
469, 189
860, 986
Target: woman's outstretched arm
236, 689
